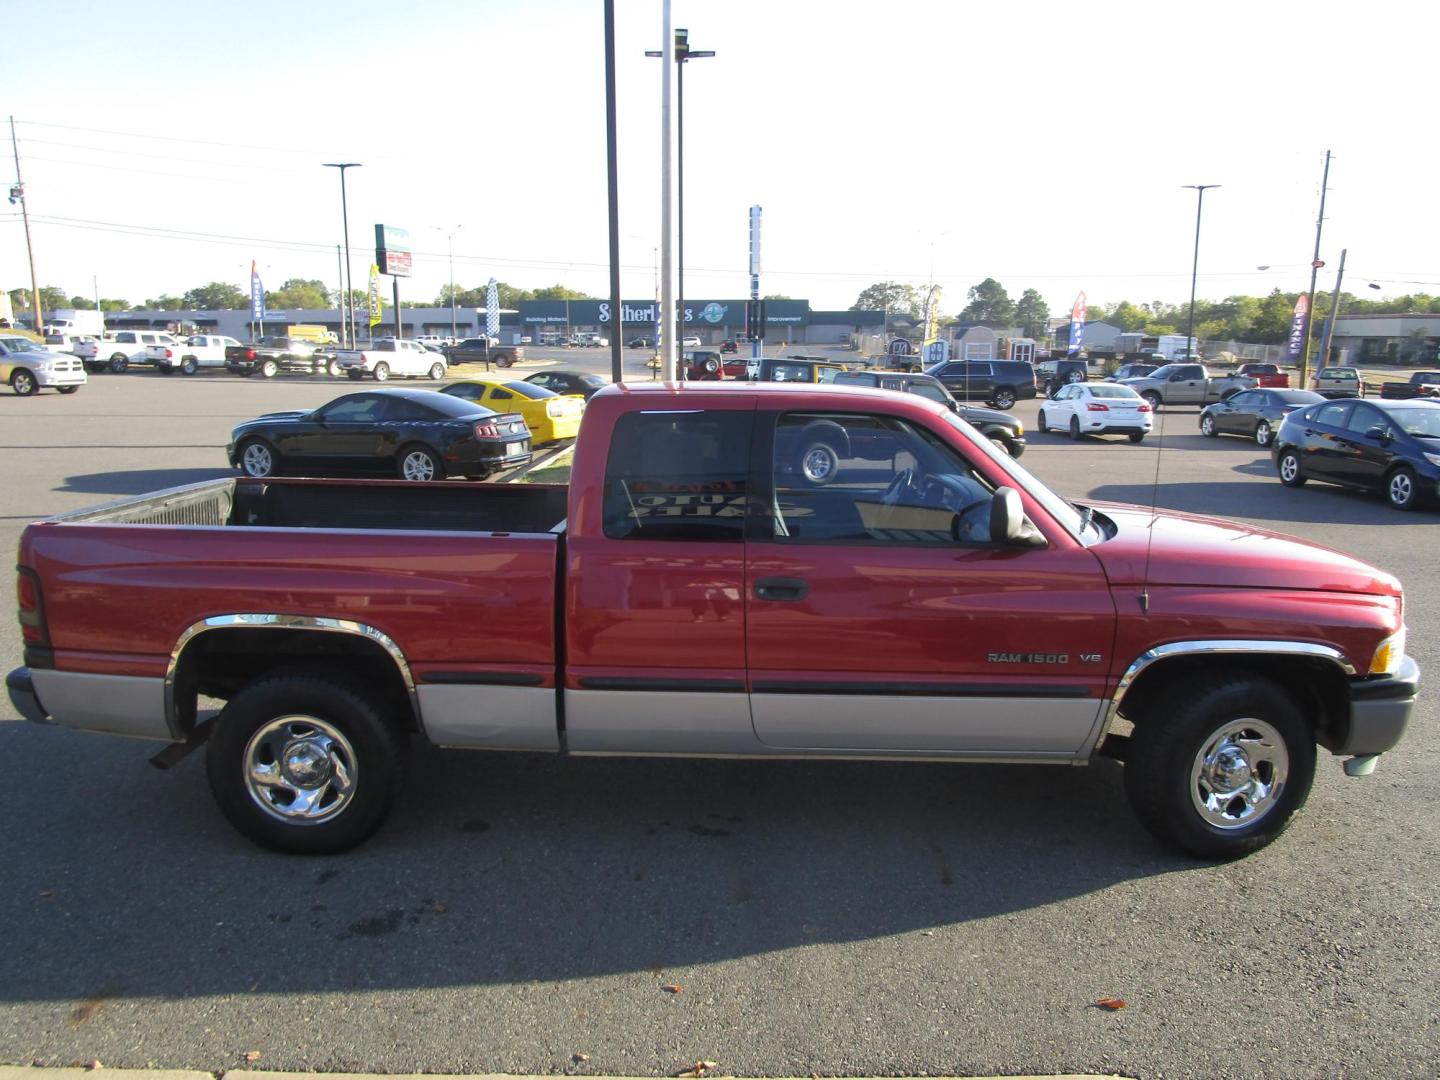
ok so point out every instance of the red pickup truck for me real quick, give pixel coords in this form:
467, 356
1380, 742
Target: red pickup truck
1265, 375
736, 570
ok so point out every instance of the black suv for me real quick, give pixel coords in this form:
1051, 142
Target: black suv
1057, 373
1003, 430
999, 383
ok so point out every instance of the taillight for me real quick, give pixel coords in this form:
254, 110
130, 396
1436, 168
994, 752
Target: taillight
32, 608
1095, 406
1143, 407
249, 354
487, 429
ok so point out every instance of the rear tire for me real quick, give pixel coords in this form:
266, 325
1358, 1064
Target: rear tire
188, 366
1154, 399
1004, 399
504, 362
1136, 436
419, 463
303, 763
1040, 423
1289, 469
1075, 428
332, 367
382, 372
269, 369
1264, 433
118, 363
1225, 769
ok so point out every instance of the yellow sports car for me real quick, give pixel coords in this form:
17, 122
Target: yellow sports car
549, 416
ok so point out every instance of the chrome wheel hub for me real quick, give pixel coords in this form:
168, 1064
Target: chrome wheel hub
819, 463
1400, 488
257, 460
419, 467
1239, 774
300, 769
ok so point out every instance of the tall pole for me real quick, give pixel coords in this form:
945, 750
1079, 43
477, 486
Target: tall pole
1314, 270
17, 194
344, 298
668, 344
1195, 265
450, 250
612, 180
345, 220
1324, 360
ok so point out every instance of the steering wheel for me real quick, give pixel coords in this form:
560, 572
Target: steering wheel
903, 482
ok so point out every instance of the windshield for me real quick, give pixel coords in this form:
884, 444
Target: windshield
1072, 519
20, 344
1423, 423
1112, 390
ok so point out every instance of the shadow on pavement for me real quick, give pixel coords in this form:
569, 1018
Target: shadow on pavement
141, 481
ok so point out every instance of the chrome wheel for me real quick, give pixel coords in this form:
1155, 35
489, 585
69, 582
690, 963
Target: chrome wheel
300, 769
1207, 426
1401, 490
1004, 399
1289, 468
268, 368
819, 464
1263, 434
437, 371
418, 465
1239, 774
382, 372
257, 460
23, 382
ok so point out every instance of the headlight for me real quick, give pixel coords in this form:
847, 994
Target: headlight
1434, 459
1388, 654
1019, 430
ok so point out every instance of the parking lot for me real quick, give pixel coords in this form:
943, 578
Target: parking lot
526, 914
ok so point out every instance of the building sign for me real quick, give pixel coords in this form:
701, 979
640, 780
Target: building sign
392, 250
699, 313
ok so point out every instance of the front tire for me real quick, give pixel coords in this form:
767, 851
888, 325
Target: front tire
118, 363
1004, 399
1289, 469
269, 369
1040, 423
1154, 399
1402, 491
1264, 433
1135, 436
1207, 427
23, 383
188, 366
382, 372
437, 371
1222, 766
67, 389
505, 362
332, 367
257, 459
418, 463
304, 763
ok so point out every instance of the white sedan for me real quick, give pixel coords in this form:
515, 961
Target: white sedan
1097, 408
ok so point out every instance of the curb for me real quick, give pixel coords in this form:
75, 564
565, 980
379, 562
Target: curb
36, 1072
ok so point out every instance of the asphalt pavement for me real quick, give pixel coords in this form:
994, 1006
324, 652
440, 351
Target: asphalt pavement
523, 914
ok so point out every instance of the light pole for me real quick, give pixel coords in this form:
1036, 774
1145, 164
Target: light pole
345, 220
1200, 190
683, 53
450, 231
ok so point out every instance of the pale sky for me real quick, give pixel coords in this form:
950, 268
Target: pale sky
165, 145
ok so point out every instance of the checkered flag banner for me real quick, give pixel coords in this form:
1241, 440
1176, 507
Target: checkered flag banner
492, 310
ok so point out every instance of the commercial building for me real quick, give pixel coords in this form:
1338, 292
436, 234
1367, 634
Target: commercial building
1411, 340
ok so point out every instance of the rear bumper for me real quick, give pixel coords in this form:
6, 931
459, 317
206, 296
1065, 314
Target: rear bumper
21, 689
1380, 710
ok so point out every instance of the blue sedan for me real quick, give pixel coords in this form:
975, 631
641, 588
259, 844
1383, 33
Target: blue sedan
1391, 447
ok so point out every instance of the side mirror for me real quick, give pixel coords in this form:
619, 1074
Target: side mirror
1007, 516
1379, 434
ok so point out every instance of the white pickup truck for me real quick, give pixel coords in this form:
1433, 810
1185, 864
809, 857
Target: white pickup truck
188, 357
391, 357
121, 349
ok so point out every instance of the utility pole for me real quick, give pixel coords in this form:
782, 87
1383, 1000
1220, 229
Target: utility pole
1324, 360
1315, 265
17, 194
345, 297
1195, 266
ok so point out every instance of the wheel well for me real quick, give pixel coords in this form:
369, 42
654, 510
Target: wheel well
1317, 686
217, 663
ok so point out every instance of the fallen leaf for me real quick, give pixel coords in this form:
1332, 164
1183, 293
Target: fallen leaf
672, 988
251, 1055
1112, 1004
699, 1069
581, 1057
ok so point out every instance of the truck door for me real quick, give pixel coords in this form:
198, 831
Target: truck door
1187, 386
880, 618
655, 588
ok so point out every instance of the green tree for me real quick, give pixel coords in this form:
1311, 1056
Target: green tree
559, 292
890, 296
107, 304
81, 303
216, 296
297, 293
1128, 317
166, 302
990, 305
1032, 314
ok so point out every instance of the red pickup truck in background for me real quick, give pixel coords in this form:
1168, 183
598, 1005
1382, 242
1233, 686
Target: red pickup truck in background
735, 570
1265, 375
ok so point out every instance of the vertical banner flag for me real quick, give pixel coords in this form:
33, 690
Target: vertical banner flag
257, 295
492, 310
374, 297
1297, 328
1077, 324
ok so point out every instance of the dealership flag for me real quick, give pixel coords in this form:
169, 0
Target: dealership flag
1297, 328
257, 295
374, 295
492, 310
1077, 324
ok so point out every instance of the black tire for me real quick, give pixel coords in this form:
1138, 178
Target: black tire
1402, 490
332, 367
67, 389
1075, 428
188, 366
1207, 426
1135, 436
258, 458
1004, 398
1222, 764
712, 365
382, 371
1076, 375
437, 371
1288, 468
355, 375
1000, 444
1040, 423
355, 785
118, 363
24, 383
818, 462
416, 462
505, 361
269, 368
1264, 433
1153, 398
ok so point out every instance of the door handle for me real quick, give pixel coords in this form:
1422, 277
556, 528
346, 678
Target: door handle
781, 588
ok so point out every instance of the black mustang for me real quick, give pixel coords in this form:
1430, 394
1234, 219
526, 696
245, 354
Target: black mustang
413, 434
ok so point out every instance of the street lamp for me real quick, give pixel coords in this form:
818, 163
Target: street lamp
345, 220
450, 232
1199, 190
683, 52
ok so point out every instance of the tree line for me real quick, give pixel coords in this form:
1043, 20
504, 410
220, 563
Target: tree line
1261, 320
